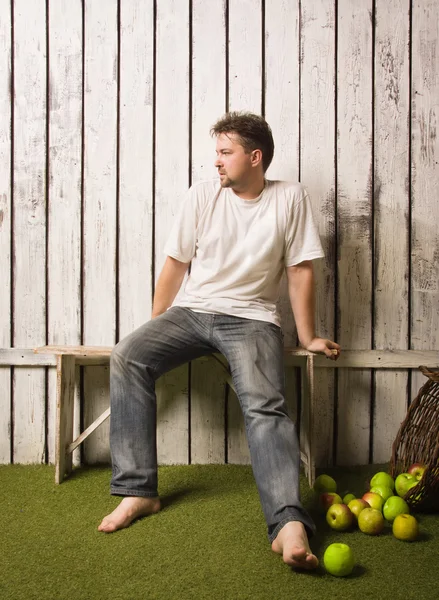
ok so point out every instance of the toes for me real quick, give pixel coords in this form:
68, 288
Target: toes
309, 563
298, 553
301, 559
107, 526
312, 561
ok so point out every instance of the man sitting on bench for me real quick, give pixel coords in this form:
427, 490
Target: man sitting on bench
239, 234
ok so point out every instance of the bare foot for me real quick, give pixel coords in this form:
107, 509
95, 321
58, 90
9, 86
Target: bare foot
131, 507
292, 543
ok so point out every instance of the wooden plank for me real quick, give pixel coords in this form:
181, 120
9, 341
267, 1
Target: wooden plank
207, 412
136, 160
29, 221
308, 409
282, 97
25, 357
282, 51
5, 224
80, 351
65, 383
424, 323
100, 142
97, 386
208, 90
171, 183
245, 55
391, 199
208, 104
64, 226
89, 430
245, 93
354, 223
353, 359
318, 175
380, 359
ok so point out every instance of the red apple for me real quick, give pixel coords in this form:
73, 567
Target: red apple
417, 470
357, 505
339, 517
374, 500
327, 499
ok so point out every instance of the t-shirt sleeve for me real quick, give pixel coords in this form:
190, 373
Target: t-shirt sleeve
302, 240
181, 242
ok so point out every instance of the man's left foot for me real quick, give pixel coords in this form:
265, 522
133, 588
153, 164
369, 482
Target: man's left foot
292, 543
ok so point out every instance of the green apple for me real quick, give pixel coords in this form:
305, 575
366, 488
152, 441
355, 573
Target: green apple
375, 500
371, 521
348, 497
405, 527
357, 505
324, 483
404, 482
339, 517
327, 499
383, 490
417, 470
382, 478
393, 507
338, 560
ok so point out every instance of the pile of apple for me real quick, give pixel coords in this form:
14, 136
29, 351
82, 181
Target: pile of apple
384, 501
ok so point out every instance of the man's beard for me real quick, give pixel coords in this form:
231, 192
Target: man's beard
225, 181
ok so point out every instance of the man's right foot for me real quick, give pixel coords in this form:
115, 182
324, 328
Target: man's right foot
292, 543
131, 507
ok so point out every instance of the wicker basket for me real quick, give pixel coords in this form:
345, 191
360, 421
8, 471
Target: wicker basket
418, 442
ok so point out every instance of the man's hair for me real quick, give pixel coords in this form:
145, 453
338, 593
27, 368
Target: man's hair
252, 130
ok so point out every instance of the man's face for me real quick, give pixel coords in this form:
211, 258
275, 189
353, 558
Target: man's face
233, 164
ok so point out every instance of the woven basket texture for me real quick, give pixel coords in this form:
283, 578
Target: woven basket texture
417, 441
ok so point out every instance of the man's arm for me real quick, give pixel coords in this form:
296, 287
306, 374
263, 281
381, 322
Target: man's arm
168, 284
302, 297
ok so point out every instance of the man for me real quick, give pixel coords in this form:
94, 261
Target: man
239, 234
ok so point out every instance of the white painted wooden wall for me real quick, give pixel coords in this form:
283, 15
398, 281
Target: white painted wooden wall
105, 111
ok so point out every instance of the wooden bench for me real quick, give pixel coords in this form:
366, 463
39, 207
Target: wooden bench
67, 357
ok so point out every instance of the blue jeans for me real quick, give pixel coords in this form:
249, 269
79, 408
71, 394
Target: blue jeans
254, 351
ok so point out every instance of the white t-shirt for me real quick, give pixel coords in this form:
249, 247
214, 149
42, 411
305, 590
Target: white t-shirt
240, 248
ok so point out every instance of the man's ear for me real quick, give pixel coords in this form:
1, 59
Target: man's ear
256, 157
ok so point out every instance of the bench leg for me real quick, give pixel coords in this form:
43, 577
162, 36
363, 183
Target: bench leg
65, 391
306, 422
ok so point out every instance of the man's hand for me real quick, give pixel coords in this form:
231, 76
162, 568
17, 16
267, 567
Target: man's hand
322, 346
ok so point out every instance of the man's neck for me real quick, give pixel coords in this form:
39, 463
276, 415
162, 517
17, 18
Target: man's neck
251, 190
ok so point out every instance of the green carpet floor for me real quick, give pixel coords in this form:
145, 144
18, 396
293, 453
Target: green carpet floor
208, 542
